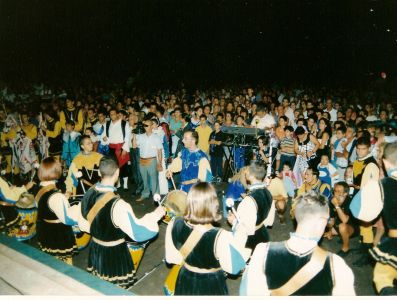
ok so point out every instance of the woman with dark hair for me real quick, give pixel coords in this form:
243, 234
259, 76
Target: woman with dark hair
305, 146
55, 217
204, 251
323, 136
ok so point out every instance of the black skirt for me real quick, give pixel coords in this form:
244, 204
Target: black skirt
56, 239
386, 252
204, 284
113, 264
9, 214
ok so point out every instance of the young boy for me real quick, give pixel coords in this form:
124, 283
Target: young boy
94, 138
287, 148
338, 158
71, 143
327, 172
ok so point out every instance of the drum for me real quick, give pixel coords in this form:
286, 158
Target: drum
25, 229
136, 251
82, 238
175, 204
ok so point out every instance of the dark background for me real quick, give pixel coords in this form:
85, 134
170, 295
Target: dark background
213, 42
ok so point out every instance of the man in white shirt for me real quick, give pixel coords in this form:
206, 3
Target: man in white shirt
331, 110
298, 266
151, 155
263, 120
117, 136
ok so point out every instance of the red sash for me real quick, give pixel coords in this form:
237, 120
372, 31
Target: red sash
118, 150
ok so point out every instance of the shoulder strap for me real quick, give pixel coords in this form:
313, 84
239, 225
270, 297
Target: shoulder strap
107, 128
99, 205
44, 190
304, 275
191, 242
123, 123
351, 150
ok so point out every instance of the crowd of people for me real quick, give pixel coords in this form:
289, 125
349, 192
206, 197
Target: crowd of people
317, 150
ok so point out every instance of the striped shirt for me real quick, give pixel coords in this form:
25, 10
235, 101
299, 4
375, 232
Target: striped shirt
287, 142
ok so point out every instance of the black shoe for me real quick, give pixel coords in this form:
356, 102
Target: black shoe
342, 253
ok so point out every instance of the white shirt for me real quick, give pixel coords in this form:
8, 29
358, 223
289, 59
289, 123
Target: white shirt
60, 206
333, 113
148, 145
247, 212
116, 135
289, 112
265, 122
254, 282
123, 217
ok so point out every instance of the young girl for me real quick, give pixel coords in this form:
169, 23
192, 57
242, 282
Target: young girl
289, 179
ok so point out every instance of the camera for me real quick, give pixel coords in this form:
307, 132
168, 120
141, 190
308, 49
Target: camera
139, 128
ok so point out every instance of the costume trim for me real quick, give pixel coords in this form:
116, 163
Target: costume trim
384, 258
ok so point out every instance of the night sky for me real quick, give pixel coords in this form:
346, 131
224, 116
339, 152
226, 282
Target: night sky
214, 42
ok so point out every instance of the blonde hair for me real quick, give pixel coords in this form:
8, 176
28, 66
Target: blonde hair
202, 204
241, 176
50, 169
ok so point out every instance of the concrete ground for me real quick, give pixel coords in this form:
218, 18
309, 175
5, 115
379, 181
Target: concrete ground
153, 271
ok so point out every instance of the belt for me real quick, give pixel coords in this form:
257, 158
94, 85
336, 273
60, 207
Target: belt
189, 181
57, 221
3, 203
110, 243
392, 233
200, 270
149, 158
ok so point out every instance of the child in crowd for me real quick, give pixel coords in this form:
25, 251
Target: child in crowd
289, 179
338, 158
287, 148
327, 172
94, 138
349, 179
71, 143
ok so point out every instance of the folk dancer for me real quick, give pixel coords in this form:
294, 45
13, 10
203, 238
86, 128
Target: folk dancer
214, 252
257, 209
71, 113
364, 169
84, 170
51, 129
55, 217
274, 264
109, 257
9, 195
191, 162
380, 197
